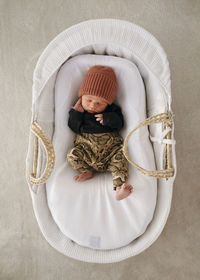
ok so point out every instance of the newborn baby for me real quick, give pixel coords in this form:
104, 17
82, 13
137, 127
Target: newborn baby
96, 120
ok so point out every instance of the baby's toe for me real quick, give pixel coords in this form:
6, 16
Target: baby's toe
124, 186
76, 178
129, 187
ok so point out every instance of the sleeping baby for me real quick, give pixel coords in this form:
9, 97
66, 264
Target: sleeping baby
96, 120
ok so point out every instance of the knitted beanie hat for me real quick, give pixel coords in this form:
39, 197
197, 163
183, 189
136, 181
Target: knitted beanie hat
99, 81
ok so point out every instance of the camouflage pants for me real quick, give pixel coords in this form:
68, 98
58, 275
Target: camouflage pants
100, 152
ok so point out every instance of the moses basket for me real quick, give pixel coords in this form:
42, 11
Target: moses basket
83, 220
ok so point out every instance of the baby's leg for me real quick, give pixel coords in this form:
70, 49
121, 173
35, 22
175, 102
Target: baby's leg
119, 169
76, 159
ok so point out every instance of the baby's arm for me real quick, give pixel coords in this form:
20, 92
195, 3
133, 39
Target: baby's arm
76, 117
113, 119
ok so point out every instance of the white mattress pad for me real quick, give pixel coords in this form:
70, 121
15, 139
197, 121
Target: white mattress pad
87, 212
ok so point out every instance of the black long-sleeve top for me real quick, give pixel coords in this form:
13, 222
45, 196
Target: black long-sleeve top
86, 122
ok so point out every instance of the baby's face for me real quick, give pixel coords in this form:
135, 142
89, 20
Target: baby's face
93, 104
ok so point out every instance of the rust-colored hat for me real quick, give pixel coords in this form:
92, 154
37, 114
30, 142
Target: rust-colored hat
99, 81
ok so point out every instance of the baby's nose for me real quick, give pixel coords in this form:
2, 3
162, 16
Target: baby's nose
94, 104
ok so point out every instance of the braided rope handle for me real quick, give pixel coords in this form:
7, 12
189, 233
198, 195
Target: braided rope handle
166, 118
50, 162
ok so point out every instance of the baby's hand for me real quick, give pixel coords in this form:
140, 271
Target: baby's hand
99, 117
78, 106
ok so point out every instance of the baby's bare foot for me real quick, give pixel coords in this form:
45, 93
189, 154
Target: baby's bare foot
83, 176
124, 191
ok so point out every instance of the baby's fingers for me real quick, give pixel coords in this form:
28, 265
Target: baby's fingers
100, 120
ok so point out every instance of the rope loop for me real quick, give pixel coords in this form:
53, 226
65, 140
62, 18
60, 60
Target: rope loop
50, 155
166, 119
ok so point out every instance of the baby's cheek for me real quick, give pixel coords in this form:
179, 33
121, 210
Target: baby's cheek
102, 108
